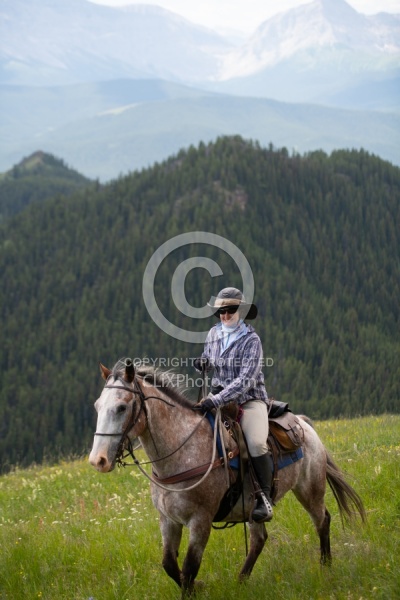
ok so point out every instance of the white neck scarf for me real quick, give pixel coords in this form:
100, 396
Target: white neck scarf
228, 334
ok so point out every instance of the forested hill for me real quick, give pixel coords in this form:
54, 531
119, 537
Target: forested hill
36, 178
321, 236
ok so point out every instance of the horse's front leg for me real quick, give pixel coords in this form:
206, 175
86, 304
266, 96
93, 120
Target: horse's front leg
199, 532
258, 537
171, 534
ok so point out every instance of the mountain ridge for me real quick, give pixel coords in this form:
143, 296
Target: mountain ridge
68, 44
88, 42
84, 41
322, 248
36, 178
159, 119
319, 24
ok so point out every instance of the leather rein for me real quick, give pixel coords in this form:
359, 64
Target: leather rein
125, 448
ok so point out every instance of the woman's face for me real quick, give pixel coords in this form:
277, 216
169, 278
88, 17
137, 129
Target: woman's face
230, 320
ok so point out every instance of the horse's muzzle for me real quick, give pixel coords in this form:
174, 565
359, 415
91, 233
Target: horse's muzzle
100, 462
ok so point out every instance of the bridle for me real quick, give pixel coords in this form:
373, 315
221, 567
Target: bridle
125, 448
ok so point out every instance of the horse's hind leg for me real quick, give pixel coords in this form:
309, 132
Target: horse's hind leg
325, 543
258, 537
172, 534
314, 504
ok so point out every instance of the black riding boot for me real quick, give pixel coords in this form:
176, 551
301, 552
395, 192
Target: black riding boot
263, 467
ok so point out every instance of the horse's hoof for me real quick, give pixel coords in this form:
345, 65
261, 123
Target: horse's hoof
196, 587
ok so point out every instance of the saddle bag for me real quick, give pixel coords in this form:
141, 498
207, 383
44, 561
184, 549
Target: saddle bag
286, 431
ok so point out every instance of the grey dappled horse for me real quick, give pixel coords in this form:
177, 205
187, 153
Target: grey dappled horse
179, 440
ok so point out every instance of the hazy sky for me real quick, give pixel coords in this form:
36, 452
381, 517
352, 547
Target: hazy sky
245, 15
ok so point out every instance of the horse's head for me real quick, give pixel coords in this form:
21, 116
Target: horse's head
120, 415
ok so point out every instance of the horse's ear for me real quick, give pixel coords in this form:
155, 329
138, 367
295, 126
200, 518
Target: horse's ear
105, 373
129, 370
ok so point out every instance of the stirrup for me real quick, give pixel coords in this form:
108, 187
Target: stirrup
264, 508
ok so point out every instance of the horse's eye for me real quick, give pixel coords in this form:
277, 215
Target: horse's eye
121, 408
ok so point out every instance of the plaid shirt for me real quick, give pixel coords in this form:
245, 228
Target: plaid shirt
238, 368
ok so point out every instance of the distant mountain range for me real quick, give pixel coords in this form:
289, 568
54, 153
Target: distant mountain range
104, 130
321, 52
114, 89
57, 42
310, 53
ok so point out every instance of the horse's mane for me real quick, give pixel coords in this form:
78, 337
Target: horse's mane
168, 381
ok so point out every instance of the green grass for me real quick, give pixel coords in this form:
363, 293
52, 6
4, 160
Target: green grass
70, 533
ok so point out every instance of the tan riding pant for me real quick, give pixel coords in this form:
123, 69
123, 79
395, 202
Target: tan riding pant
254, 423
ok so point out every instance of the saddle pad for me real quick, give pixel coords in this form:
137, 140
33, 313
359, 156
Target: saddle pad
289, 458
233, 494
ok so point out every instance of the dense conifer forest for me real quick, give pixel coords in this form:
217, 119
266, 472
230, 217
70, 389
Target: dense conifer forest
320, 233
36, 178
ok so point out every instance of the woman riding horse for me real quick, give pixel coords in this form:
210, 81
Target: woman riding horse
180, 444
233, 349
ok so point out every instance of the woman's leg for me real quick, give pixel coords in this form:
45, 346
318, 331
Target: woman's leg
254, 423
255, 428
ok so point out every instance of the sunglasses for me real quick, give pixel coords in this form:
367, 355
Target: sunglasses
229, 309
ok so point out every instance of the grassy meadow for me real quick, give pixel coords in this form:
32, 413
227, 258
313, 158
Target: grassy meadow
70, 533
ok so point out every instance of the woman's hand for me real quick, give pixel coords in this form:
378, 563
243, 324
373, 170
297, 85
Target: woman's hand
205, 405
202, 364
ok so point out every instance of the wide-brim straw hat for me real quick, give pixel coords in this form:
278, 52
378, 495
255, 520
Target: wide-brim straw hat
231, 296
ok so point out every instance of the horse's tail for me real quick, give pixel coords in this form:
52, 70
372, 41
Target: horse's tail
347, 499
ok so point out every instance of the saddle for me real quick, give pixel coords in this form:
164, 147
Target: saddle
285, 438
284, 441
285, 431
